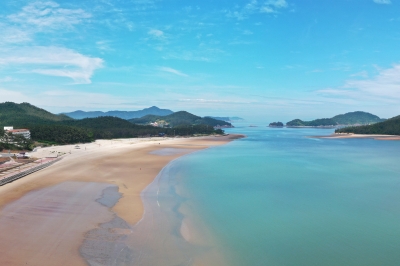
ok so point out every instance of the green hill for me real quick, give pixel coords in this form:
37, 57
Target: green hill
351, 118
179, 119
25, 114
388, 127
357, 117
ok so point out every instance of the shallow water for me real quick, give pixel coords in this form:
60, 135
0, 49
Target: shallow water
280, 198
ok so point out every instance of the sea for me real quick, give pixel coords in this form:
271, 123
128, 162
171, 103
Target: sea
278, 197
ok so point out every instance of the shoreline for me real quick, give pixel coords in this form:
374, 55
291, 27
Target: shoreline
357, 136
128, 164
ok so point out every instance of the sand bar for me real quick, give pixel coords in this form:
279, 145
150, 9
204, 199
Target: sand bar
51, 228
358, 136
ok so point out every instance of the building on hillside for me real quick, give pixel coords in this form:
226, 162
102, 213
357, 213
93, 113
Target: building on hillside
23, 132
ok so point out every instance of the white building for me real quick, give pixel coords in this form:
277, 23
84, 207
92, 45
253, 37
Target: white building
24, 132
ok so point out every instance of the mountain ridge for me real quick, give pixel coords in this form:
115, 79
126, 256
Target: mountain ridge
153, 110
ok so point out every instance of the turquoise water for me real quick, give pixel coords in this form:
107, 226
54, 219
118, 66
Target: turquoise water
280, 198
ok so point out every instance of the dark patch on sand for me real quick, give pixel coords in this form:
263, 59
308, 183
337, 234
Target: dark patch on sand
106, 245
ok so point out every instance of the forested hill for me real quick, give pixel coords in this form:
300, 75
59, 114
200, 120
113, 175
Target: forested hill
154, 110
358, 117
180, 118
25, 114
351, 118
388, 127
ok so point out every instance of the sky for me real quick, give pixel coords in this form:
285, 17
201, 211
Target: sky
264, 60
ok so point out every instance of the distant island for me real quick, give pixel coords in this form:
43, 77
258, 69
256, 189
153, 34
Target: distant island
352, 118
276, 124
154, 110
226, 118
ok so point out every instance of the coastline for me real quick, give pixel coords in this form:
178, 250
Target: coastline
358, 136
126, 164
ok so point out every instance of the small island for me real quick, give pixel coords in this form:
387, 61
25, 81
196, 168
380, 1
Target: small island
276, 124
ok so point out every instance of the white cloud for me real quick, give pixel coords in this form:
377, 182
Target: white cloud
158, 34
104, 46
53, 61
173, 71
48, 15
384, 2
254, 6
383, 87
6, 79
277, 3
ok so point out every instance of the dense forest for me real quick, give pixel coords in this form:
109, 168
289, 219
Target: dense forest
180, 118
388, 127
60, 129
351, 118
313, 123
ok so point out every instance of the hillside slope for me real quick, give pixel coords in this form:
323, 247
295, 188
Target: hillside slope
388, 127
25, 114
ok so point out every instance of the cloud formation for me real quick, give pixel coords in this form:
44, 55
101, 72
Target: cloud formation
53, 61
384, 86
255, 6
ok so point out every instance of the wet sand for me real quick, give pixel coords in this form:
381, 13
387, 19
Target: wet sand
57, 209
359, 136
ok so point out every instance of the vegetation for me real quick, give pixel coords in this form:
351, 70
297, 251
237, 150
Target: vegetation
60, 134
313, 123
388, 127
14, 142
276, 124
179, 119
352, 118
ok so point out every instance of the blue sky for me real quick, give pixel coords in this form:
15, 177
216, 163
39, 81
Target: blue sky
261, 60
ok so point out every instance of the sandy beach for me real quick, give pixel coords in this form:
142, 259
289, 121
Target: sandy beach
46, 217
358, 136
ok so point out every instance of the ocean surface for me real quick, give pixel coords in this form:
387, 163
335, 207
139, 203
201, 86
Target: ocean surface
278, 197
